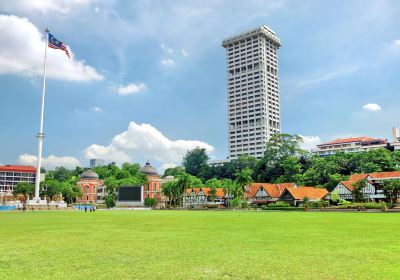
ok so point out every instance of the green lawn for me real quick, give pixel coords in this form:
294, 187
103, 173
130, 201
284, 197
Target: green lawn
199, 245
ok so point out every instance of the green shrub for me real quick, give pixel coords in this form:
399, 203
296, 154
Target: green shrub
290, 208
212, 206
317, 204
279, 204
150, 202
343, 202
235, 202
245, 204
367, 205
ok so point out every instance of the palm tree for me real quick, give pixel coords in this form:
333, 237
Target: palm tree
243, 178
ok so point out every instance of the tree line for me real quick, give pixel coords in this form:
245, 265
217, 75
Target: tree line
285, 161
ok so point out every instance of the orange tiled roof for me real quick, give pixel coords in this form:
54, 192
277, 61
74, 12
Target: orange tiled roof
381, 175
356, 177
219, 191
312, 193
252, 190
376, 175
349, 140
348, 184
274, 190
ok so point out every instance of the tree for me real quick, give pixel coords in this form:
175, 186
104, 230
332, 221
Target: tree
292, 168
174, 171
232, 190
278, 148
391, 189
213, 184
171, 191
243, 178
195, 160
24, 188
372, 161
320, 170
62, 174
236, 165
110, 199
51, 188
70, 191
358, 190
334, 180
187, 181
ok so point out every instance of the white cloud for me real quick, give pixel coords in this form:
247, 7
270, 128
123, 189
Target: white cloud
96, 109
42, 6
397, 43
50, 162
184, 52
167, 49
165, 166
131, 88
22, 51
168, 62
344, 71
141, 142
372, 107
309, 142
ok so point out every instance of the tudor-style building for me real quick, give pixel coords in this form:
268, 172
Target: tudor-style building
295, 196
374, 185
264, 193
201, 196
345, 188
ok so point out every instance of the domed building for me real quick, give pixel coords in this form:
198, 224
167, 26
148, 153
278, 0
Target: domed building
93, 189
153, 187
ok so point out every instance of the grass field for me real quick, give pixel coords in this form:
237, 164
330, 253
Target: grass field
199, 245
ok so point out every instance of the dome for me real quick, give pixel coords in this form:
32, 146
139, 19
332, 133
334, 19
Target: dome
89, 174
148, 169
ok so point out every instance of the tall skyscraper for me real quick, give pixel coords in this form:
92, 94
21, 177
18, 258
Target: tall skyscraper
253, 90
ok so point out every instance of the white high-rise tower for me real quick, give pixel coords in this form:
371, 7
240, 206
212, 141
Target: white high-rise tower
253, 91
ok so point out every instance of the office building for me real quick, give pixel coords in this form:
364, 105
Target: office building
253, 90
96, 162
396, 138
11, 175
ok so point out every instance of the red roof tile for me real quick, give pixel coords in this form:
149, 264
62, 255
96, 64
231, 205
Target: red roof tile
356, 177
220, 192
348, 184
206, 191
312, 193
252, 190
274, 190
376, 175
349, 140
382, 175
18, 168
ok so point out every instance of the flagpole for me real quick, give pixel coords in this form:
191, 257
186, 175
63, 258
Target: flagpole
40, 135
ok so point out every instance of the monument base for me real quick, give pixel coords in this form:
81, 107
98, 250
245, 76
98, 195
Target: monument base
36, 202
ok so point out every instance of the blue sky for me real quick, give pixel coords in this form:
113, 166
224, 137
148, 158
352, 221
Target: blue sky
147, 79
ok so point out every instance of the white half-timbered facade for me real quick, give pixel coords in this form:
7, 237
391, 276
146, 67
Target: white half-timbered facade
344, 190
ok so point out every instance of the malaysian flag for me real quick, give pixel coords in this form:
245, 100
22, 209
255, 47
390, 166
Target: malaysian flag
56, 44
